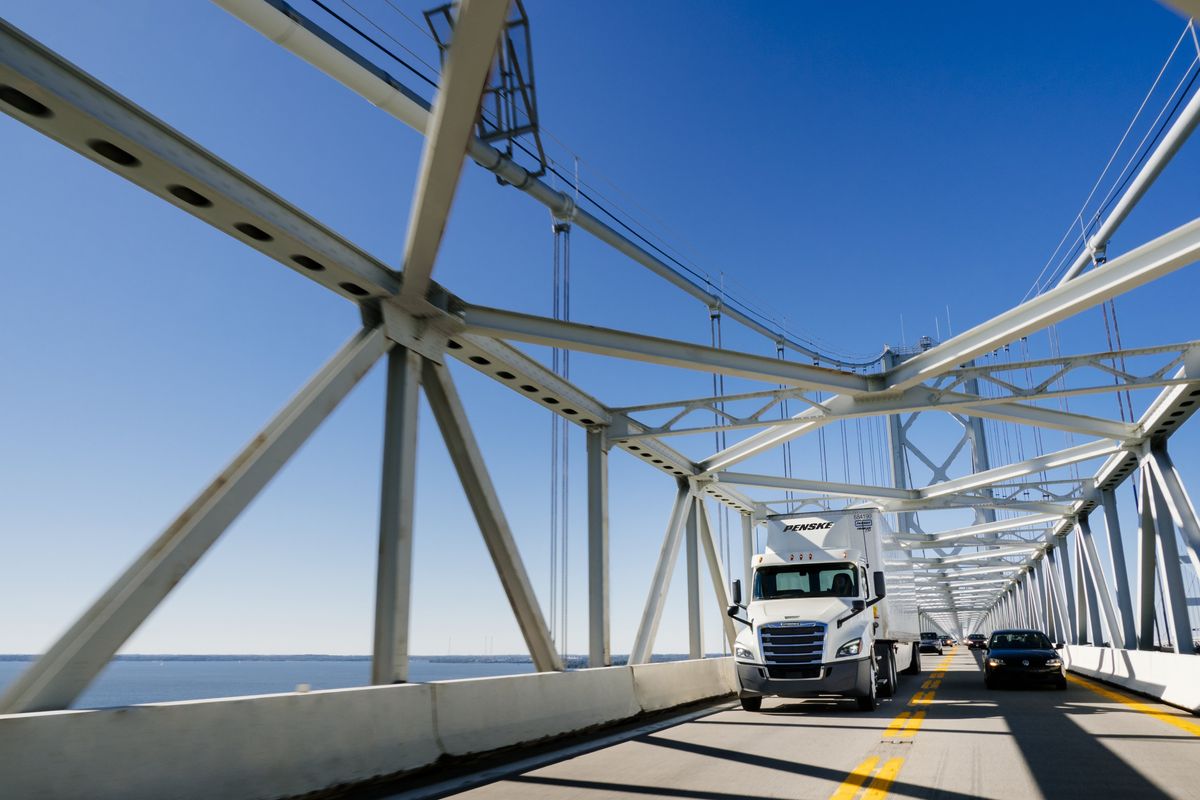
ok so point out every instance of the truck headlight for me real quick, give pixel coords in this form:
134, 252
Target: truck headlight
996, 662
742, 652
852, 648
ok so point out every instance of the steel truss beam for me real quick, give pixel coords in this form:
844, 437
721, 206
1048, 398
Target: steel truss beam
468, 461
56, 679
669, 352
942, 395
451, 127
82, 111
282, 24
393, 593
1162, 256
913, 400
660, 583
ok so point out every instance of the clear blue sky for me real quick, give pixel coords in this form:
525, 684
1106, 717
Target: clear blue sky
847, 165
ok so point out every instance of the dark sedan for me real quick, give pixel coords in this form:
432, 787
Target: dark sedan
976, 641
1022, 656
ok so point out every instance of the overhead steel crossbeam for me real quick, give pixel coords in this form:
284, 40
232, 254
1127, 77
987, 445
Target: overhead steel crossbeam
1053, 385
287, 27
1155, 259
942, 395
607, 341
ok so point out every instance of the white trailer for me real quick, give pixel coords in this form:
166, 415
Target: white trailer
832, 611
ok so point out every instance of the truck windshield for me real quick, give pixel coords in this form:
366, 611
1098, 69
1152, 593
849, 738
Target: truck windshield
806, 580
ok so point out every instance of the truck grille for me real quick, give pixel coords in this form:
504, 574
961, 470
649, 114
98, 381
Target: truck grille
792, 644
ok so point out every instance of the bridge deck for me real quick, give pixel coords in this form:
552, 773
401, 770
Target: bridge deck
967, 742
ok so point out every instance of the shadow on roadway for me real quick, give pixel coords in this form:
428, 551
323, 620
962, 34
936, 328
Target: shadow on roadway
1064, 759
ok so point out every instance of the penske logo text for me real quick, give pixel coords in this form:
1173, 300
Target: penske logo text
809, 526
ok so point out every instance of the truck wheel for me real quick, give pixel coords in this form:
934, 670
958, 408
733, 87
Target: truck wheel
870, 701
914, 666
887, 663
751, 703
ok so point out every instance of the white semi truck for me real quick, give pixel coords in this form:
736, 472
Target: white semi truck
832, 611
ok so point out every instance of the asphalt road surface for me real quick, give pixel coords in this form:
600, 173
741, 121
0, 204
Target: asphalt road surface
943, 736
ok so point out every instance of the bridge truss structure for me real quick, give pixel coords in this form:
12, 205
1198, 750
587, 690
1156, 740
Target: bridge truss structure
1018, 569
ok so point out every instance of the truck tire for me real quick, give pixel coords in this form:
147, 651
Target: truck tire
751, 703
914, 666
887, 665
870, 700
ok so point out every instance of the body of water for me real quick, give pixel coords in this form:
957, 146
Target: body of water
151, 681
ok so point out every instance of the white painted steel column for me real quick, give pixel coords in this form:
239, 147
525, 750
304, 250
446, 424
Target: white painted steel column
1170, 572
481, 494
56, 679
599, 641
393, 582
747, 555
1103, 590
716, 572
1183, 513
1062, 591
1120, 573
1146, 562
643, 642
1088, 589
692, 557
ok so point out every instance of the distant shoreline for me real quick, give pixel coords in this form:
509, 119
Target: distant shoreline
572, 660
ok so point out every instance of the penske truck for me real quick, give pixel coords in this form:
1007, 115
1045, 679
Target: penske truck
831, 611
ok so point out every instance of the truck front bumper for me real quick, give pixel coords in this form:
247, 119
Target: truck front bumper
845, 678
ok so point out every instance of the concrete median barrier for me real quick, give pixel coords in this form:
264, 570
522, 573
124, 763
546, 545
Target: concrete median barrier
1170, 677
665, 685
267, 746
284, 745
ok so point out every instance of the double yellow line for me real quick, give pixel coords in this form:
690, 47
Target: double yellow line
880, 783
904, 726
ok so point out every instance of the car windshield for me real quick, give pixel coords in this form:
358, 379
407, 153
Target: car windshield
928, 635
806, 580
976, 636
1020, 640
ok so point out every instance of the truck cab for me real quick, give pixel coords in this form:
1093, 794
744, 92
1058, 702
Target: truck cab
816, 622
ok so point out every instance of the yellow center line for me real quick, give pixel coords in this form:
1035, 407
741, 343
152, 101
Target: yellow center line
1171, 719
914, 724
893, 728
883, 781
854, 781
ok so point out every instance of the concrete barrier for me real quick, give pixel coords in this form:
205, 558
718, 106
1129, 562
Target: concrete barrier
264, 747
677, 683
276, 746
1170, 677
483, 714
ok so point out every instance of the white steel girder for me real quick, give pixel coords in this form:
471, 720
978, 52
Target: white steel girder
56, 679
1169, 252
451, 126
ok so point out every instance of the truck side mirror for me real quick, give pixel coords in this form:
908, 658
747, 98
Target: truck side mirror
858, 605
880, 587
736, 594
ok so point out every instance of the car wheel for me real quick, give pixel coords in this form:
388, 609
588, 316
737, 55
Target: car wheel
1061, 685
870, 701
751, 703
989, 683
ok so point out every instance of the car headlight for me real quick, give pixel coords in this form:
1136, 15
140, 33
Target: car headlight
849, 649
1053, 662
996, 662
742, 652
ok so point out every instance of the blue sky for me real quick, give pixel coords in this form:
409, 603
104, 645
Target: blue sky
845, 166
